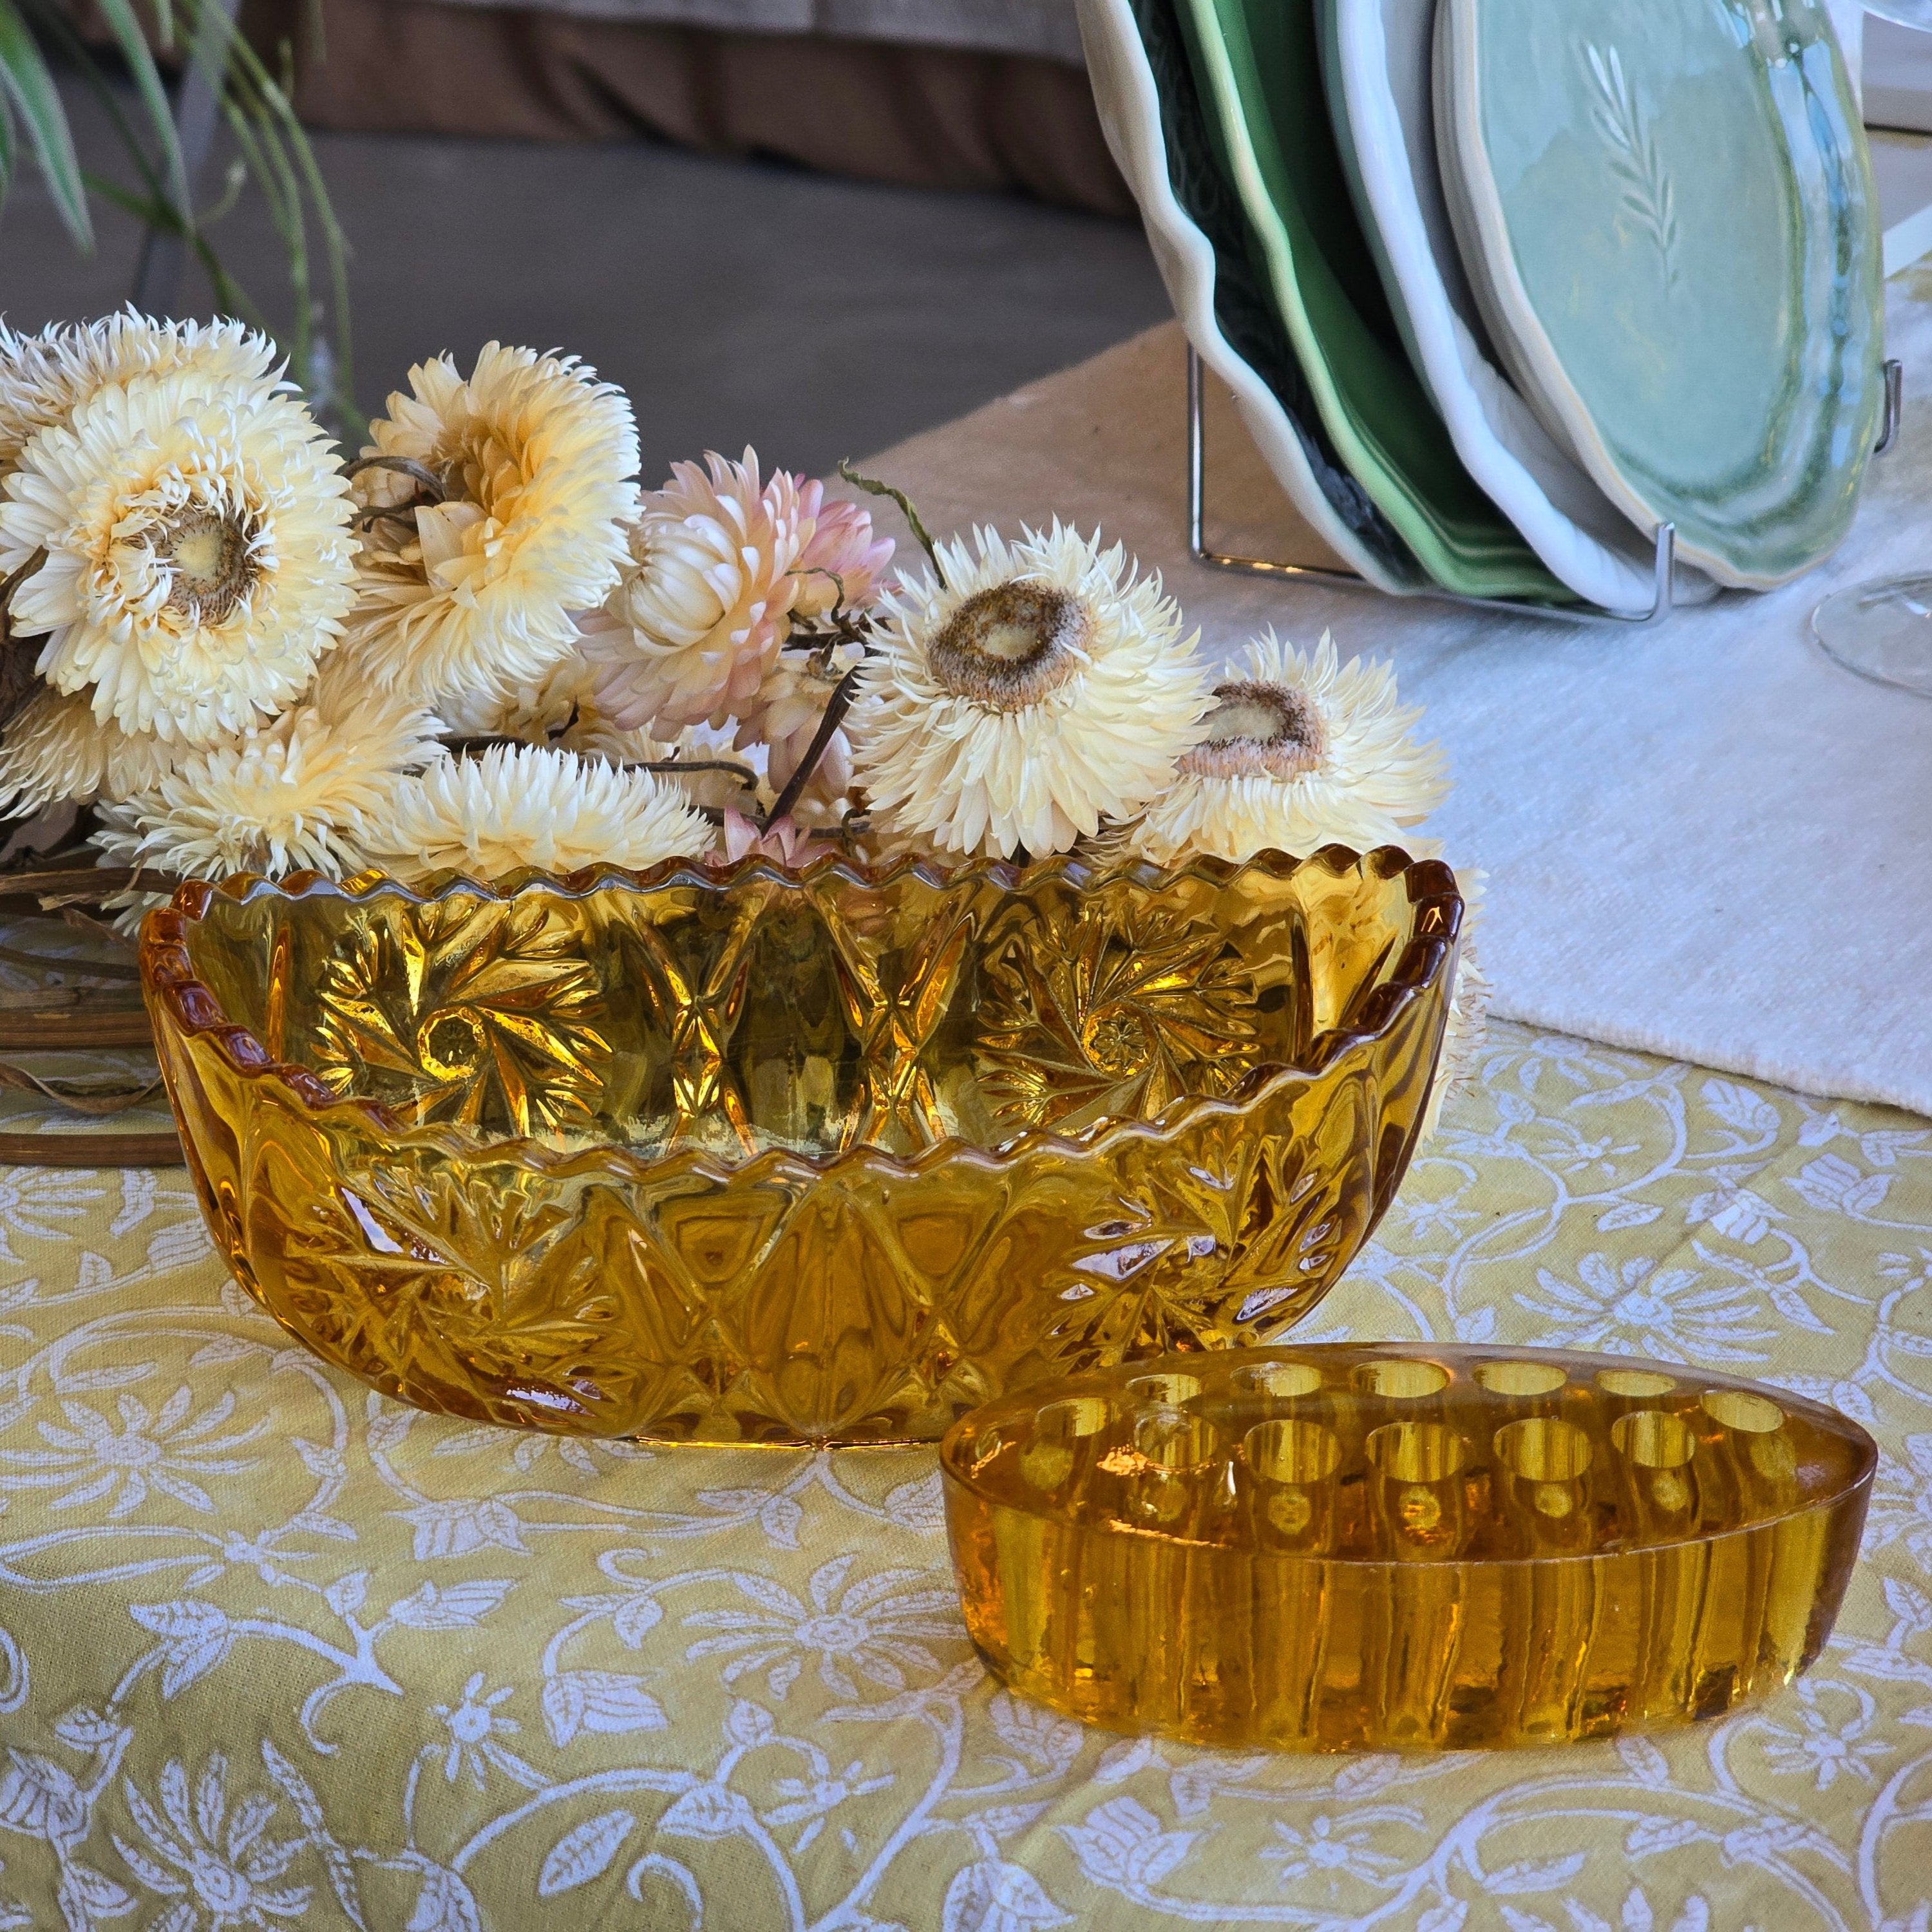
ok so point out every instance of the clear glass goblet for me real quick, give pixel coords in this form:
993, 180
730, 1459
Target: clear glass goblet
1883, 629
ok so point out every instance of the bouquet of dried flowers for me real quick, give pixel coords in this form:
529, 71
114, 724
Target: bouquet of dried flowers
477, 646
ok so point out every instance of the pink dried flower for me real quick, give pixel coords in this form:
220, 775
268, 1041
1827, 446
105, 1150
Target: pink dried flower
687, 636
841, 551
787, 842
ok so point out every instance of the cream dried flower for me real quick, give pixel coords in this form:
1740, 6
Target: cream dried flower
534, 711
1299, 752
293, 796
519, 806
45, 378
181, 542
717, 779
841, 560
563, 711
688, 635
559, 709
54, 748
533, 459
1045, 688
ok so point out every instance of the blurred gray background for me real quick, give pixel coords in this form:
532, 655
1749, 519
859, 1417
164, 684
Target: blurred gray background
736, 301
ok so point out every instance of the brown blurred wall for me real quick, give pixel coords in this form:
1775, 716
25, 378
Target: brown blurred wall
925, 116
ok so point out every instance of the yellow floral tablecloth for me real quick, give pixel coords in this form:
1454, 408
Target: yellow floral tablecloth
275, 1652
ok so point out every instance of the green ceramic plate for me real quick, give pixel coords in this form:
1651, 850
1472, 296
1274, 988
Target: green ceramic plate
1151, 115
1666, 209
1258, 64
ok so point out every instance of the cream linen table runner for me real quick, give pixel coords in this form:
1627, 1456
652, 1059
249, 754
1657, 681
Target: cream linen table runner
1703, 839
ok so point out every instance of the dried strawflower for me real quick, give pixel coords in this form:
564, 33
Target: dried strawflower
54, 748
785, 718
703, 611
518, 805
842, 559
563, 712
533, 710
45, 378
1299, 752
510, 523
700, 762
1043, 687
787, 842
180, 541
292, 796
558, 708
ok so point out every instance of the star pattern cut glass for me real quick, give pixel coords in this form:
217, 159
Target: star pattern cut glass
751, 1155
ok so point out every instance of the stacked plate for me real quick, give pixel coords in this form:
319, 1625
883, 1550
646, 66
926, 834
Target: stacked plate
1502, 286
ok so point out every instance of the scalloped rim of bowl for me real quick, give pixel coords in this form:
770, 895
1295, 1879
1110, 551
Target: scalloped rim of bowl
168, 976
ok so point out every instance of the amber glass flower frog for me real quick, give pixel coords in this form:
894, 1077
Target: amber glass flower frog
1369, 1547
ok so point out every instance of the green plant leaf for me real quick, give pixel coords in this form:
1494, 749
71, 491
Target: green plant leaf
207, 56
133, 45
230, 298
23, 73
255, 135
283, 166
149, 209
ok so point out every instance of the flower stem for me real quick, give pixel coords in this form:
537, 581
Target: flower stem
873, 487
404, 514
676, 767
404, 465
836, 707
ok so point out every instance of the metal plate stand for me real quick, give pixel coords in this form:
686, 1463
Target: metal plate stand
1662, 578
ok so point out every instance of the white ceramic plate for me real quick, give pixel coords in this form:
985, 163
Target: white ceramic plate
1376, 68
1665, 209
1130, 109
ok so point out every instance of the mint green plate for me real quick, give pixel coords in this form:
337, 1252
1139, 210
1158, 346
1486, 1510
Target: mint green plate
1667, 209
1258, 64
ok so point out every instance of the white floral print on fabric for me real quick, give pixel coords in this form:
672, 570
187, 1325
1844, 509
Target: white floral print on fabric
277, 1653
96, 1458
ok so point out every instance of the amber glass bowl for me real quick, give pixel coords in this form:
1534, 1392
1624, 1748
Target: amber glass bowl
745, 1155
